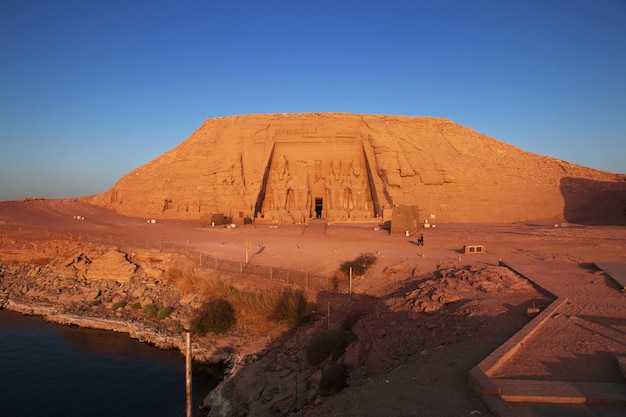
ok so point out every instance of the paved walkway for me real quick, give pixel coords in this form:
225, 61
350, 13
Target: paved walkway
576, 308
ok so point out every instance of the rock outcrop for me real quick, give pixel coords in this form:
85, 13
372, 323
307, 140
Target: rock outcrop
112, 265
291, 167
107, 288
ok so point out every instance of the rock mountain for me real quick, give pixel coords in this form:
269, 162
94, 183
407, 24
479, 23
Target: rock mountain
288, 168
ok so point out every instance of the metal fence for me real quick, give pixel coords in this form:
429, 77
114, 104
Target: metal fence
18, 239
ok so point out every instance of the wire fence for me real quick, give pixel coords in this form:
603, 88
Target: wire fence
18, 239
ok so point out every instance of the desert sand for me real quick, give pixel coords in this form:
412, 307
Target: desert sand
418, 363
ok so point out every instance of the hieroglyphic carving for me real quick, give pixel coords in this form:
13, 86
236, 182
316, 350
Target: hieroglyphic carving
294, 131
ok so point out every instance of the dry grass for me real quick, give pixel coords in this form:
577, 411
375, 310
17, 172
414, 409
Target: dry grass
187, 281
255, 310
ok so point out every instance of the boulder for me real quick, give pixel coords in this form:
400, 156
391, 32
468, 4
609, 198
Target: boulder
113, 265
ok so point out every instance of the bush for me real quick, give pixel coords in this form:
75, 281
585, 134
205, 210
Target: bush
150, 309
334, 379
327, 343
164, 312
216, 316
118, 305
136, 305
350, 320
360, 265
292, 307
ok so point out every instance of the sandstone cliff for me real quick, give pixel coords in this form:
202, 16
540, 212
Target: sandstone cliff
451, 173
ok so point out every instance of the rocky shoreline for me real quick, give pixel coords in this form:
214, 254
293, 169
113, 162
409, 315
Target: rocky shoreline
136, 330
105, 288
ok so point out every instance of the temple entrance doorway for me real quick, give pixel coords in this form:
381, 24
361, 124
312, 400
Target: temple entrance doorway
319, 204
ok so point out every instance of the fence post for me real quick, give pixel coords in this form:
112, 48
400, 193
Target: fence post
329, 315
350, 287
188, 374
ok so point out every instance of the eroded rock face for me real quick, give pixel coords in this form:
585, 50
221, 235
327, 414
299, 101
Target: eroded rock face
453, 284
292, 167
113, 265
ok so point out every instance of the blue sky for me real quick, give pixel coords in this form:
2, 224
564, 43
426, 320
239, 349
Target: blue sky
92, 89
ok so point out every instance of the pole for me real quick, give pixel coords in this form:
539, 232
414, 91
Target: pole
350, 287
248, 246
329, 315
188, 374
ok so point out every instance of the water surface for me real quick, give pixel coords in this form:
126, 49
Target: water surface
59, 371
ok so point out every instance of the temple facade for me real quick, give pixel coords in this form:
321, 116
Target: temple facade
317, 179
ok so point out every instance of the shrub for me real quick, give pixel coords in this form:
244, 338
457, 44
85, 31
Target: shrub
164, 312
216, 316
292, 307
334, 379
136, 305
327, 343
360, 265
118, 305
350, 320
151, 309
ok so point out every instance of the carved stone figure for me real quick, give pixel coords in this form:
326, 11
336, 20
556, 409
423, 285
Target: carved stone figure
279, 181
335, 186
358, 187
299, 183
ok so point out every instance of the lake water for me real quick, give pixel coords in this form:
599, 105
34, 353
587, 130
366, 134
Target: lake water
60, 371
